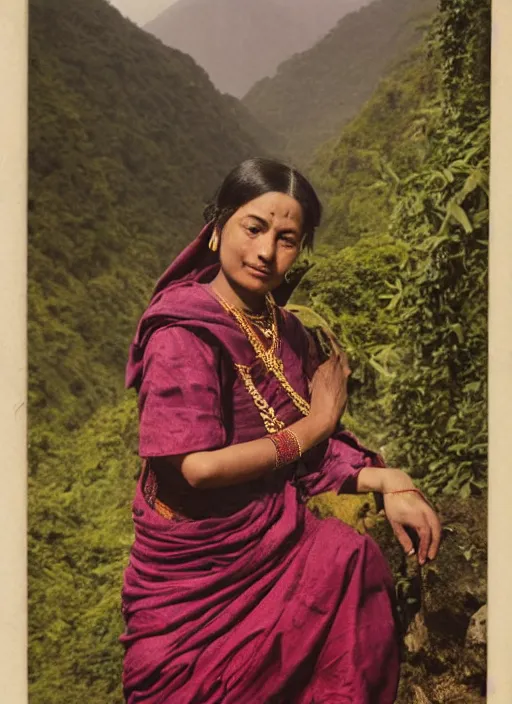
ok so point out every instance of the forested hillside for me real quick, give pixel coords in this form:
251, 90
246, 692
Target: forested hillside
315, 93
411, 173
238, 42
128, 140
358, 172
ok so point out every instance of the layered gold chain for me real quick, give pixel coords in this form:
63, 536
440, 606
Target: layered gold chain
268, 415
269, 358
244, 322
263, 322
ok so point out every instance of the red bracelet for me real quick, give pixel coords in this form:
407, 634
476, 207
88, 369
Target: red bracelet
287, 446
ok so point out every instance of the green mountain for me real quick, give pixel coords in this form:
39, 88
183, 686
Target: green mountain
358, 172
79, 539
260, 133
128, 140
315, 93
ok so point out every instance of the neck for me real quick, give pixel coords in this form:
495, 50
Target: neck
247, 301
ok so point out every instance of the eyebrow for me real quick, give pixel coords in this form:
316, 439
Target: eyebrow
264, 222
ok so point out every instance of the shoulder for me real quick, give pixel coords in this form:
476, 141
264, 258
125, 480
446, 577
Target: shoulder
179, 343
184, 299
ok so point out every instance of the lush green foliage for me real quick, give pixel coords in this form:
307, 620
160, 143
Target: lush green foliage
80, 534
128, 140
342, 288
357, 173
442, 214
430, 342
317, 92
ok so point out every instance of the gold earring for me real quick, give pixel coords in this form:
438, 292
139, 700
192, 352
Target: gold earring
213, 244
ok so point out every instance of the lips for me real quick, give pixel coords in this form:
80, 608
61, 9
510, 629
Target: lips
259, 272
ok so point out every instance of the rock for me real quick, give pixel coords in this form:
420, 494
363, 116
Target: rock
477, 629
353, 509
419, 695
438, 605
416, 638
449, 690
473, 663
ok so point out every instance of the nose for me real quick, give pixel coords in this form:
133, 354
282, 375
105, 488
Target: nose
266, 248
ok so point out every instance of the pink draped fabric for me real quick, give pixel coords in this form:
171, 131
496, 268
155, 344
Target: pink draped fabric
261, 602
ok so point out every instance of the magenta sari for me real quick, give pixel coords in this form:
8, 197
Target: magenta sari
244, 596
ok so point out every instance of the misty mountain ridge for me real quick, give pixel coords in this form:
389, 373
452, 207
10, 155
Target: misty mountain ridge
315, 93
238, 42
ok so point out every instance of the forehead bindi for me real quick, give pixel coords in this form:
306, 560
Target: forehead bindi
286, 214
276, 208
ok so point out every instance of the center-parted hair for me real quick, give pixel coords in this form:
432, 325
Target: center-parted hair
257, 176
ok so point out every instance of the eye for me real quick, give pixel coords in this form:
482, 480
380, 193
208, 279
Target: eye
253, 229
288, 241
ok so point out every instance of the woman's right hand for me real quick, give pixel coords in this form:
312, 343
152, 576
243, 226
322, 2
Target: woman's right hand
329, 389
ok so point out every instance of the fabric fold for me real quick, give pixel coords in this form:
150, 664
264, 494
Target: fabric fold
245, 597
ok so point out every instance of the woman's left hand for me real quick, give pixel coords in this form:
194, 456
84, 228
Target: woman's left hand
410, 509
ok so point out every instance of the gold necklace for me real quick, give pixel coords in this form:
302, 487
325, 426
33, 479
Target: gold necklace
268, 356
261, 317
262, 322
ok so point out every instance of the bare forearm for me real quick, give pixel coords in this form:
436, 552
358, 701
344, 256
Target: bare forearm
247, 461
382, 479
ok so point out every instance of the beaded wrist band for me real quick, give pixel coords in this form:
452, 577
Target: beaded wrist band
287, 446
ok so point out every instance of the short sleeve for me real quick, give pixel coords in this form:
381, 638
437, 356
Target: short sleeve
180, 407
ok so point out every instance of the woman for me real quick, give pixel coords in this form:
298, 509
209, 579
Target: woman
235, 592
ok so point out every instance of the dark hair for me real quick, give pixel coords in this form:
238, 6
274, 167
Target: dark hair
255, 177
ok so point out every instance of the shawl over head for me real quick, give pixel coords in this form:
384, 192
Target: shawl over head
171, 302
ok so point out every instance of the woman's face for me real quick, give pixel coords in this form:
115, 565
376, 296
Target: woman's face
261, 241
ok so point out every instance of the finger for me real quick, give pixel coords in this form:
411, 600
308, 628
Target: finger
425, 535
334, 342
345, 362
403, 538
436, 528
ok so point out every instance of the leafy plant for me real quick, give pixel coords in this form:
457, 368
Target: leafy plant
413, 312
